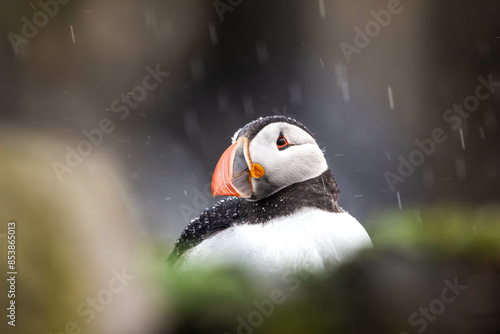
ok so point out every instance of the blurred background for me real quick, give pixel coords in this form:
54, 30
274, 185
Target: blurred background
161, 86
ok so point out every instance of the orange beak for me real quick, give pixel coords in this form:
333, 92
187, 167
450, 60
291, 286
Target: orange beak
232, 175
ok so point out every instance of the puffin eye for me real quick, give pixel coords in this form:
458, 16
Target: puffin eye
282, 143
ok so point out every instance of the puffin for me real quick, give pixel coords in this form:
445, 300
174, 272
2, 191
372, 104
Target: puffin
282, 213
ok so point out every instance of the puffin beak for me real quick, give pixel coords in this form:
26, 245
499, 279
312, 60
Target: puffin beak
232, 175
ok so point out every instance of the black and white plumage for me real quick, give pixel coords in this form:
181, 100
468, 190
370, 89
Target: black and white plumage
286, 214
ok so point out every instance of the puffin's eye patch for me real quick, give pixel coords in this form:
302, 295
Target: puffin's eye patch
282, 142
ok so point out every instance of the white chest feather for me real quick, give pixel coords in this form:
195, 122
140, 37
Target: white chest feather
310, 240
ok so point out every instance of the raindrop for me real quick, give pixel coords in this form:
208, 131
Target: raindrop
418, 215
399, 200
428, 177
462, 141
322, 13
490, 122
213, 33
391, 100
262, 53
197, 68
342, 83
150, 18
481, 133
72, 33
166, 29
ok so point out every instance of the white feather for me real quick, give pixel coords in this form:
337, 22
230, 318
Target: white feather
310, 239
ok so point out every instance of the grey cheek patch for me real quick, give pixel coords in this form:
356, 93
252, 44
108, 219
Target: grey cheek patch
241, 177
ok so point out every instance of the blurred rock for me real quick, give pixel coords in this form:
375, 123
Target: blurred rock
74, 240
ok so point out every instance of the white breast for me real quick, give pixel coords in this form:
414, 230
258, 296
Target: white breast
310, 239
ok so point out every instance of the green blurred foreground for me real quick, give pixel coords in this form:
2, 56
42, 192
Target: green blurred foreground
438, 272
86, 265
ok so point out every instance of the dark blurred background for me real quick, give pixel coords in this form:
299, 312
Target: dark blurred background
263, 58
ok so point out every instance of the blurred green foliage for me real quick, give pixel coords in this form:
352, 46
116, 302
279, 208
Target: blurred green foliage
414, 254
445, 230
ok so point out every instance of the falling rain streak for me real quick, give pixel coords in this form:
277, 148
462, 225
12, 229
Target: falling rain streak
428, 177
481, 133
213, 33
391, 100
322, 12
262, 53
418, 215
462, 141
197, 68
341, 79
72, 33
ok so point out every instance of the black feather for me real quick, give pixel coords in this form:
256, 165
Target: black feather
321, 192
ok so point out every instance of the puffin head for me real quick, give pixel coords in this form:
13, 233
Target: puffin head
267, 155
